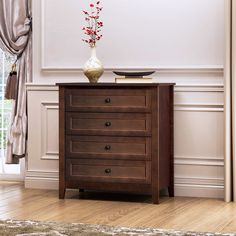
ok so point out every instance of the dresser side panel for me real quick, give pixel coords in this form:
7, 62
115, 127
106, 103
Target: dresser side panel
165, 132
62, 174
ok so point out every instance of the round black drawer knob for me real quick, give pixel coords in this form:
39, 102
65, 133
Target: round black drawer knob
107, 147
108, 171
107, 100
107, 124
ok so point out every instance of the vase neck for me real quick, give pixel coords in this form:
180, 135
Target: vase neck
93, 51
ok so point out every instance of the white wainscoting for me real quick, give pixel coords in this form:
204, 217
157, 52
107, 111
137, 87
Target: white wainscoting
42, 161
198, 136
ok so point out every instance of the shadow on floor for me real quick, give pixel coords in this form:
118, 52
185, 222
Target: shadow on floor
110, 196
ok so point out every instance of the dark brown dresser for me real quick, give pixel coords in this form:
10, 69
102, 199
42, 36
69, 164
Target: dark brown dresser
116, 137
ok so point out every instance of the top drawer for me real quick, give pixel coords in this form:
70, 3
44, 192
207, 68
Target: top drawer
108, 100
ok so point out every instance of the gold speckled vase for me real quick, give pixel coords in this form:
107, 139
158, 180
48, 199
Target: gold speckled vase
93, 68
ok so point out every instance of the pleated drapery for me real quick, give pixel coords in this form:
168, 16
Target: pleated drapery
16, 38
230, 100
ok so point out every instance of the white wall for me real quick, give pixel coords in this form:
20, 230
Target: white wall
183, 40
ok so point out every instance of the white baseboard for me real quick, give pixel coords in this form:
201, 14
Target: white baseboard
41, 183
11, 177
199, 187
184, 186
41, 180
199, 191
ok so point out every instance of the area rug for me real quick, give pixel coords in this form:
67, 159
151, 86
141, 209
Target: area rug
34, 228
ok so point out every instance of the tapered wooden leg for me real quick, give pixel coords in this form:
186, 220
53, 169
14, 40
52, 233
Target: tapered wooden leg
62, 191
155, 198
171, 190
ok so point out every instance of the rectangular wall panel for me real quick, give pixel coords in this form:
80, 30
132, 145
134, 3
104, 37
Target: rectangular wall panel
151, 36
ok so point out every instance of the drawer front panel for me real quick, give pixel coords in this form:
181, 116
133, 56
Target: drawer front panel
108, 123
108, 99
108, 171
108, 147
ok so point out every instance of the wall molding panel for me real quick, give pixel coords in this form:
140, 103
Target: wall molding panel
46, 107
43, 129
193, 58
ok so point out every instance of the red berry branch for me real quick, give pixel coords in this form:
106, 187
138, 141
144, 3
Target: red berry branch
94, 24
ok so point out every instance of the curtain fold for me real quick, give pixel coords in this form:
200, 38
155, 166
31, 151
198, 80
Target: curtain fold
16, 38
230, 100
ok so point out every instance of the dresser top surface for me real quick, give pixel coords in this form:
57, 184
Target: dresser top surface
114, 84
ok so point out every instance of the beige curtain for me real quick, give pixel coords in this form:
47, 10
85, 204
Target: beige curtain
15, 37
230, 100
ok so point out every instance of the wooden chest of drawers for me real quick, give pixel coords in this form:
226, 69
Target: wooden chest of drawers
116, 137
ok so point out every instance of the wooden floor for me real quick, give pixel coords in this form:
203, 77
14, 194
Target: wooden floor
195, 214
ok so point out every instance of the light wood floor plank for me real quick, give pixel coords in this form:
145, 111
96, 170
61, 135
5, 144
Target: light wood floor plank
184, 213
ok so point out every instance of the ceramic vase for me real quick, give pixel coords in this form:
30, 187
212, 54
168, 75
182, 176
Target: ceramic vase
93, 68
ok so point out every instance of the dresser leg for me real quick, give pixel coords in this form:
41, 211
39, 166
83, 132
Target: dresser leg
62, 192
155, 198
171, 191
